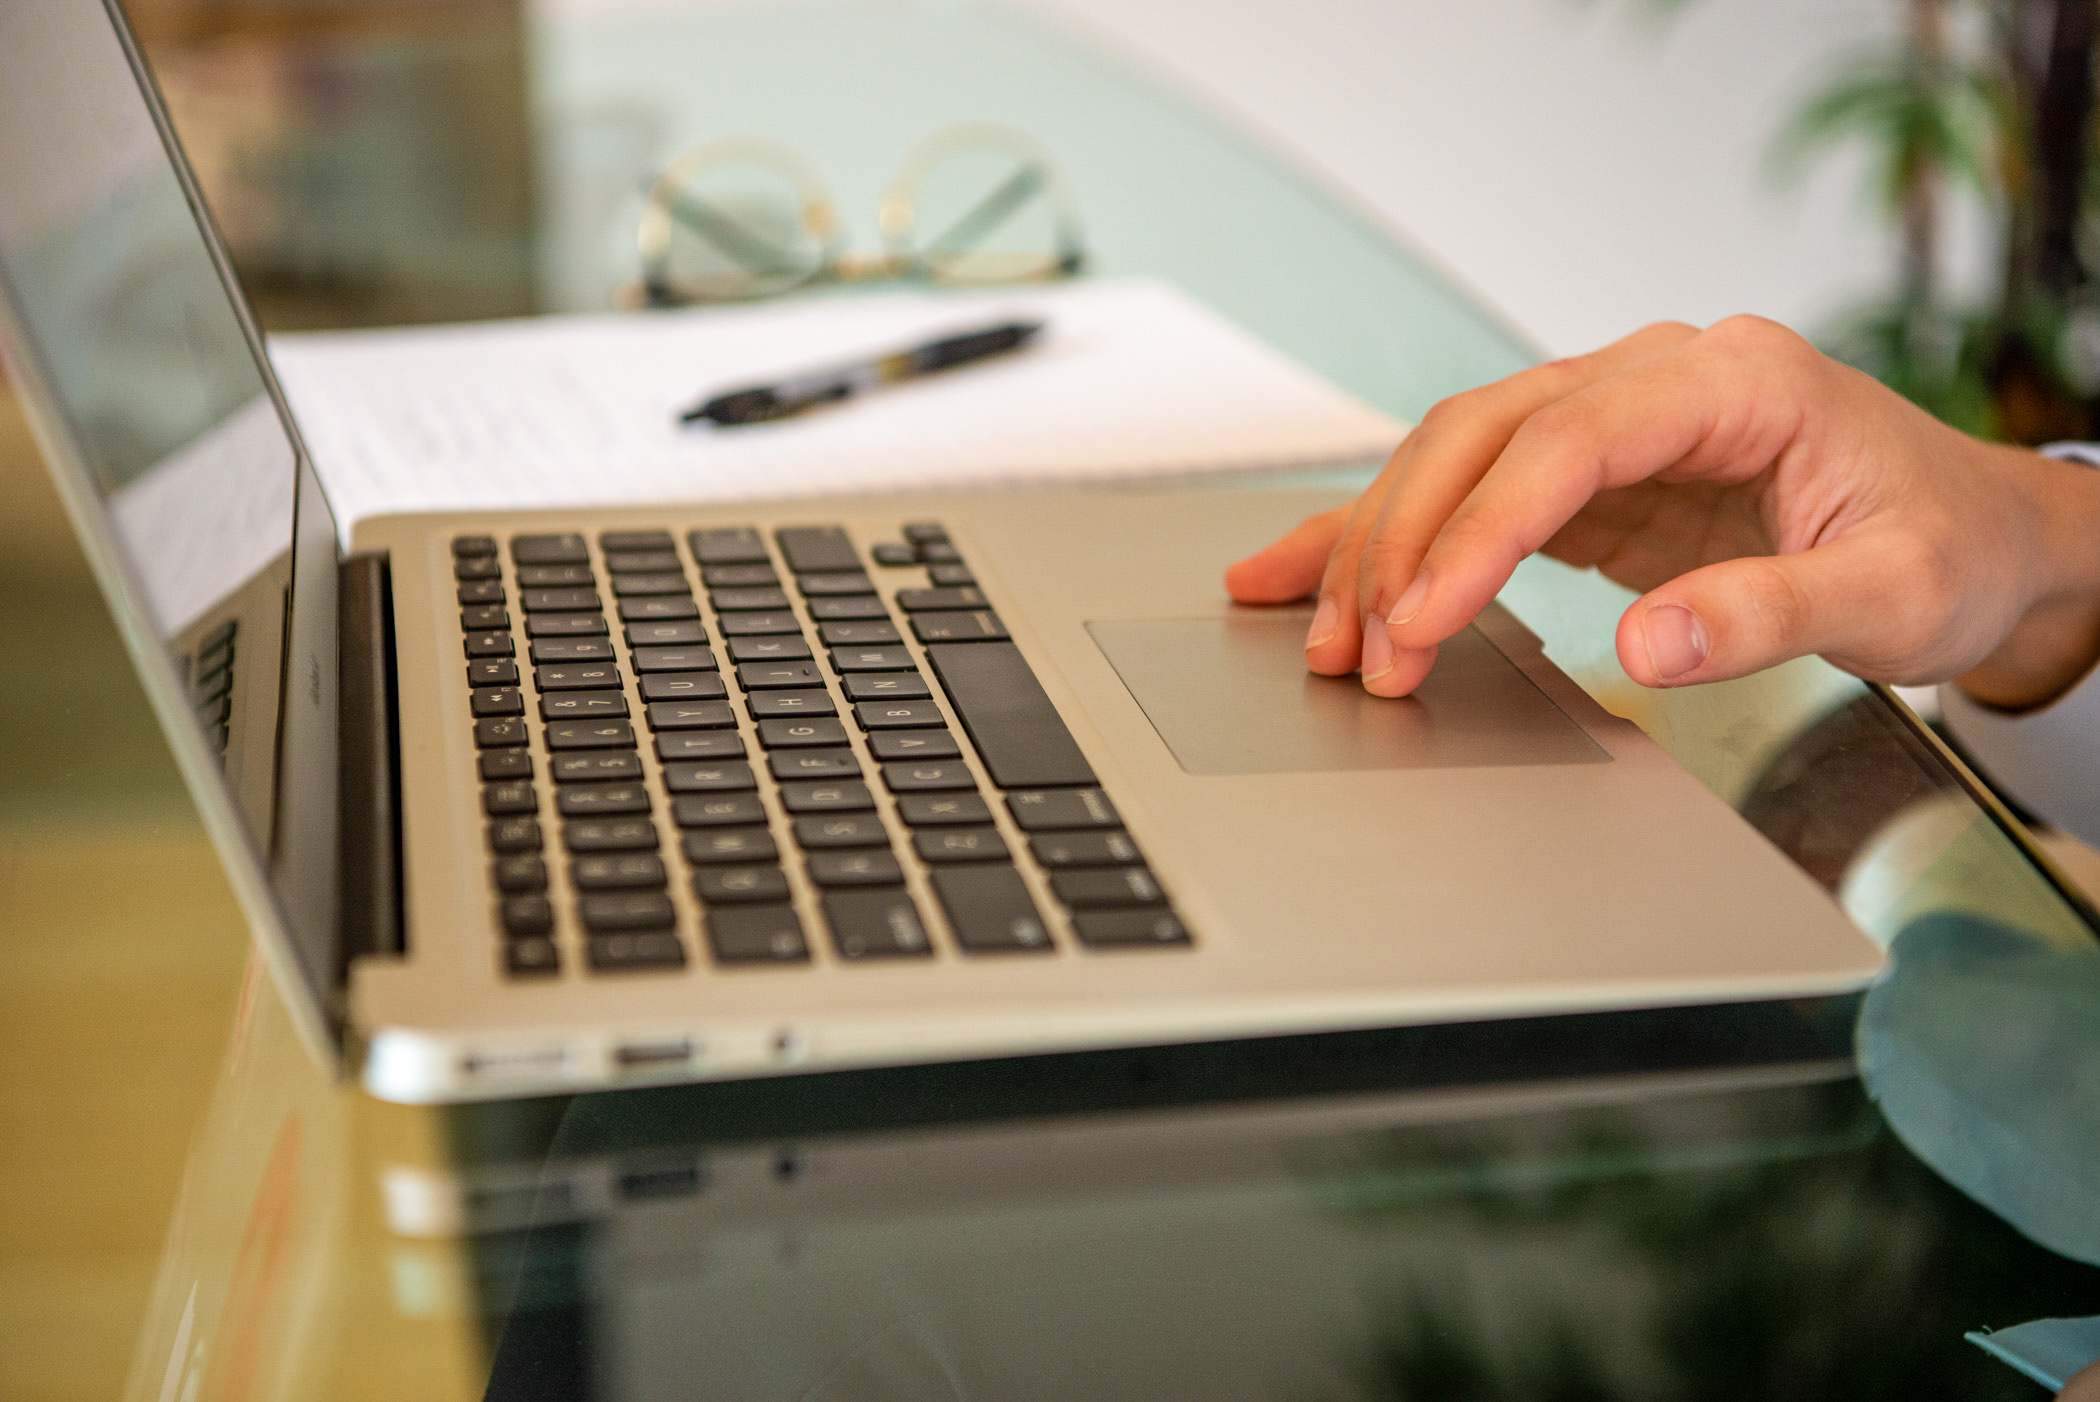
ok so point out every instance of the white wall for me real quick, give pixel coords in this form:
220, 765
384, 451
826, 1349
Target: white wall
1585, 166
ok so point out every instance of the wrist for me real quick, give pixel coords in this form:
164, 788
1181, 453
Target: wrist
2056, 639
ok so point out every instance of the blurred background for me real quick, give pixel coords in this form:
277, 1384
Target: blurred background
1904, 179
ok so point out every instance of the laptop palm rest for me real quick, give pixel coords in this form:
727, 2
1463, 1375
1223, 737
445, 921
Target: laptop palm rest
1230, 695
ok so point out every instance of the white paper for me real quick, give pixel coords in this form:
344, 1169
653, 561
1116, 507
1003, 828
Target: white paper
1130, 378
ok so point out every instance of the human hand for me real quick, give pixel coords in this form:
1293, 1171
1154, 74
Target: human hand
1768, 501
2083, 1388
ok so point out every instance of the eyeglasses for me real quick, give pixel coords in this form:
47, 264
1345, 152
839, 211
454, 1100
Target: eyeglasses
744, 218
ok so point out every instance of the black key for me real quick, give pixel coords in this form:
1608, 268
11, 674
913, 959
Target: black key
482, 591
558, 600
477, 617
747, 600
216, 712
525, 917
1084, 849
960, 844
790, 703
500, 734
913, 744
635, 540
506, 764
927, 600
885, 686
565, 625
1047, 810
826, 796
514, 835
778, 676
643, 949
751, 625
618, 872
690, 715
590, 735
683, 686
635, 586
498, 701
481, 567
534, 956
565, 549
941, 810
859, 633
932, 776
597, 766
855, 868
813, 764
1113, 929
490, 645
583, 705
216, 684
899, 715
519, 876
832, 583
711, 845
515, 796
700, 744
851, 607
610, 835
872, 659
727, 545
464, 546
674, 659
669, 607
841, 830
663, 561
989, 909
981, 626
606, 912
814, 548
875, 924
894, 555
1111, 887
772, 649
1018, 733
717, 810
601, 800
677, 633
556, 577
723, 776
732, 885
955, 576
759, 576
495, 673
571, 650
925, 532
939, 552
576, 677
756, 934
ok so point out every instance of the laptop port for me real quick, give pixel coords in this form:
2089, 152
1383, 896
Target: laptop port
652, 1056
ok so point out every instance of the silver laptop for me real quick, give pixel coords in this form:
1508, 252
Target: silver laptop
527, 803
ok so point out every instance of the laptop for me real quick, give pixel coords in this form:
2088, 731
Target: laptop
539, 802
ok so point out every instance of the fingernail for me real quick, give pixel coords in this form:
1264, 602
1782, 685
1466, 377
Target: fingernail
1676, 640
1324, 619
1410, 601
1378, 650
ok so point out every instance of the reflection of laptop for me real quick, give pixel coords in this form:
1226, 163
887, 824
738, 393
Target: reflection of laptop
520, 803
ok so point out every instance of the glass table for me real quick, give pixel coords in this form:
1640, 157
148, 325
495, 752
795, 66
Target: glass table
1778, 1200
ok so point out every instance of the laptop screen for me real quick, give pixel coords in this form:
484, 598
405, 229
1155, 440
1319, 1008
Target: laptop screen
158, 410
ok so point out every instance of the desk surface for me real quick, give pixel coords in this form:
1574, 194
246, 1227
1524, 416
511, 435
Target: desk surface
1782, 1201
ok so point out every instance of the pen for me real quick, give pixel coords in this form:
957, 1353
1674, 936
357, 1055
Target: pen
763, 402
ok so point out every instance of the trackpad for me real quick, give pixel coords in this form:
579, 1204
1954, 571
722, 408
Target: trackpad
1231, 696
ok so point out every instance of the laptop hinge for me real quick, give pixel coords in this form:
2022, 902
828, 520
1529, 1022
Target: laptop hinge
371, 762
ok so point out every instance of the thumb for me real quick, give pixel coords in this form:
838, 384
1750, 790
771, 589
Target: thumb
1744, 615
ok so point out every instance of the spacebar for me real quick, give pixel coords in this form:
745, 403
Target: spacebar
1018, 733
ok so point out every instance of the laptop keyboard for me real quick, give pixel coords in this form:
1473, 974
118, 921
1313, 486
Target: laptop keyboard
209, 673
793, 741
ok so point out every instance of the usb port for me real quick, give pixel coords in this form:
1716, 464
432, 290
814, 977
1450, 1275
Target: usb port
651, 1056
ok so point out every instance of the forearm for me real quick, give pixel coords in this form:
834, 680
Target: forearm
2057, 640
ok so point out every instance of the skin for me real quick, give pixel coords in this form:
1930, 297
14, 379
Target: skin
1766, 501
2083, 1388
